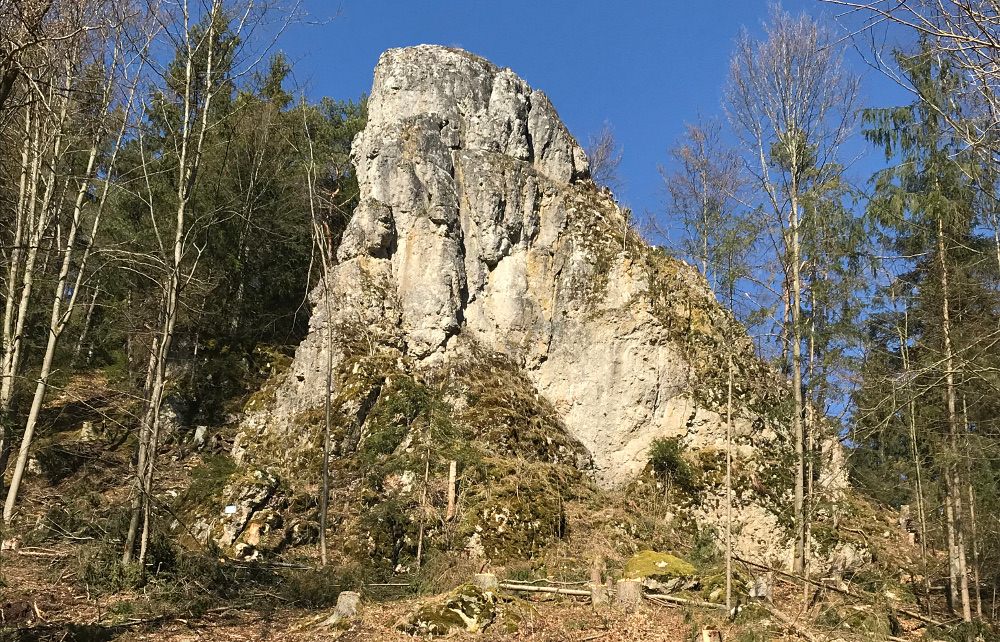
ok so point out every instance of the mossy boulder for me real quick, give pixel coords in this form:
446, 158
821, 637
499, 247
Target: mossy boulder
467, 608
871, 622
661, 572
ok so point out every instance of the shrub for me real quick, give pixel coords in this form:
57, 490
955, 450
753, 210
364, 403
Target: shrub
666, 459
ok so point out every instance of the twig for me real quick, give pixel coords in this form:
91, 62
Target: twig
790, 623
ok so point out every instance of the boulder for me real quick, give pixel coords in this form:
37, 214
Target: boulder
467, 608
661, 572
246, 495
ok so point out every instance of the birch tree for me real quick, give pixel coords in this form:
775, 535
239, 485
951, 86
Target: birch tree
64, 75
105, 70
792, 102
705, 189
210, 40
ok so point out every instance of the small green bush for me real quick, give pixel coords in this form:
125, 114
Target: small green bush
666, 459
208, 479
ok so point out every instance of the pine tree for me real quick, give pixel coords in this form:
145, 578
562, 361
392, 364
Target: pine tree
926, 204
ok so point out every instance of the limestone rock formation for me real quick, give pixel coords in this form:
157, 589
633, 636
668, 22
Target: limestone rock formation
479, 230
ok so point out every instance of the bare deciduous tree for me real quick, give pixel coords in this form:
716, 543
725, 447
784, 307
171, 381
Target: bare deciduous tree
604, 153
965, 32
108, 45
792, 102
212, 42
703, 187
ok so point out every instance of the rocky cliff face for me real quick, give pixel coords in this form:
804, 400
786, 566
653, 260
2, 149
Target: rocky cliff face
480, 233
478, 222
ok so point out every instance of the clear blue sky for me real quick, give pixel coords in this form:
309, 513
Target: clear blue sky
646, 67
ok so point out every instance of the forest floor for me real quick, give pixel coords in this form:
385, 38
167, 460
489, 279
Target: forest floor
47, 592
40, 602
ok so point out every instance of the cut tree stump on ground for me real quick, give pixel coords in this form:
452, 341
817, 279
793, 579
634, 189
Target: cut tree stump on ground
598, 594
347, 607
486, 581
628, 594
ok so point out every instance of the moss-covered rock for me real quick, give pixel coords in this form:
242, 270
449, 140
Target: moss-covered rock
513, 612
515, 508
467, 608
867, 620
661, 572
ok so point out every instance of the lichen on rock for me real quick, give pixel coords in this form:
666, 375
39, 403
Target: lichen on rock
467, 608
661, 572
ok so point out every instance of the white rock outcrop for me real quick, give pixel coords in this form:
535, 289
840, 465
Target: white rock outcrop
478, 223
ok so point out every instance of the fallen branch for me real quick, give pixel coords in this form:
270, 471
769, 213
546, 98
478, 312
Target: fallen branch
544, 589
660, 597
656, 597
792, 625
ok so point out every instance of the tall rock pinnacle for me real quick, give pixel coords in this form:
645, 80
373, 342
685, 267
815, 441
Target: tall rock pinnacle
478, 226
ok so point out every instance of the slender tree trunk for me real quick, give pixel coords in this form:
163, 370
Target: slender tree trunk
147, 491
797, 427
29, 170
903, 335
423, 505
323, 244
996, 236
325, 499
972, 523
729, 485
39, 218
954, 487
159, 384
57, 323
145, 428
87, 319
810, 452
192, 131
975, 552
949, 506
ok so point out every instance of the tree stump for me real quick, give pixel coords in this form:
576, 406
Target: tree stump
487, 582
598, 592
628, 594
711, 635
763, 586
347, 607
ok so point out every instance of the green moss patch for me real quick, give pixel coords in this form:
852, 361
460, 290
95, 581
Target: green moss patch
660, 566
